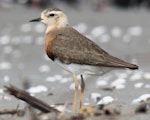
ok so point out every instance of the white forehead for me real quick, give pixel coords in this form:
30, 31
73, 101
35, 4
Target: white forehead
46, 12
56, 12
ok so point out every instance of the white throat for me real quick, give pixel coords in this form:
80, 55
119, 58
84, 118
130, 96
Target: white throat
49, 28
59, 25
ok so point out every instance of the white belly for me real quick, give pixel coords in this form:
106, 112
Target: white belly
84, 69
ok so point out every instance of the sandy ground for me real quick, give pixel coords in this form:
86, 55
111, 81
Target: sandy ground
122, 33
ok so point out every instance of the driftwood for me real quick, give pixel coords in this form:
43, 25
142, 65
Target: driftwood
32, 101
12, 112
105, 112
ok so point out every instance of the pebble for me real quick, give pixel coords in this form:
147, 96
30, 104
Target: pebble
104, 38
81, 27
37, 89
127, 38
50, 79
1, 91
61, 108
100, 83
5, 97
64, 80
44, 68
58, 77
5, 65
136, 76
4, 40
135, 30
118, 83
6, 78
146, 75
105, 100
95, 96
121, 75
147, 86
97, 31
116, 32
138, 85
142, 98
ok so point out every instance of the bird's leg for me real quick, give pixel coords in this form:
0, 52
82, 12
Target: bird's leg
82, 91
75, 93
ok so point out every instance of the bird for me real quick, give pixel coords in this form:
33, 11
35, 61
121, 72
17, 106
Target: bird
74, 52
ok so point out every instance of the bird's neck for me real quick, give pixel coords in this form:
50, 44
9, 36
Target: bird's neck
57, 25
51, 28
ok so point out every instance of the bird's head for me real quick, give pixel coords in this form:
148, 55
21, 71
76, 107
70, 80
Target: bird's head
53, 18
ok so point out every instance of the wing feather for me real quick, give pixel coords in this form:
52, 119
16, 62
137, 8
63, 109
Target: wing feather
72, 47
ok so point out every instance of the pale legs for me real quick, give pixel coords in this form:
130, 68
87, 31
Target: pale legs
76, 93
82, 91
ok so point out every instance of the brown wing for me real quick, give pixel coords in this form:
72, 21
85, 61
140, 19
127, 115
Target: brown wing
72, 47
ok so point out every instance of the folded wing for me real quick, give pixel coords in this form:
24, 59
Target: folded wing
72, 47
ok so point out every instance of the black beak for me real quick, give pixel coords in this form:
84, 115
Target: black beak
36, 20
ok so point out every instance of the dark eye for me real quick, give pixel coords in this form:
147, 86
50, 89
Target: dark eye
52, 15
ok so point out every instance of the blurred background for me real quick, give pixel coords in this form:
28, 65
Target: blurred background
121, 27
95, 4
